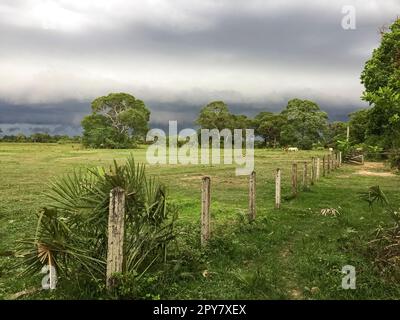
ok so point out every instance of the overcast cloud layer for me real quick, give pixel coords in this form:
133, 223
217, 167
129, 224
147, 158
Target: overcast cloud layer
177, 55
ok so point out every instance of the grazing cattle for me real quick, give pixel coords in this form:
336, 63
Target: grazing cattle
293, 149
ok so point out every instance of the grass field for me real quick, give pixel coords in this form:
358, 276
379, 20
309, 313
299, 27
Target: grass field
291, 253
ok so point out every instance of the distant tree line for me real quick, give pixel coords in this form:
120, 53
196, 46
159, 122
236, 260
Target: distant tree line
301, 124
39, 138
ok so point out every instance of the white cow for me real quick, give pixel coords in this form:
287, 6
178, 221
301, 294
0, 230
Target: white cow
293, 149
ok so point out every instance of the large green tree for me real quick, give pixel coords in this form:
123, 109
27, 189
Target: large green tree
269, 125
305, 124
358, 125
381, 78
118, 120
216, 115
336, 130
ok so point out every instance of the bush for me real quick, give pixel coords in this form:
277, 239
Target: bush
394, 159
72, 229
386, 246
374, 152
345, 147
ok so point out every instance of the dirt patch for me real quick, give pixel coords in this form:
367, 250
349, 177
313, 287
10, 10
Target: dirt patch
373, 165
374, 174
379, 166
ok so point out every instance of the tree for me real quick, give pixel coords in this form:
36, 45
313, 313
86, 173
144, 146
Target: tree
241, 121
358, 126
305, 123
38, 137
99, 133
337, 130
269, 125
381, 78
117, 121
216, 115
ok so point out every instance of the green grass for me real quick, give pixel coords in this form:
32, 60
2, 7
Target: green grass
290, 253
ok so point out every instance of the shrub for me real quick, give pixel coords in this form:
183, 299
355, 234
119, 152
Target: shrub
386, 245
72, 229
345, 147
374, 152
394, 159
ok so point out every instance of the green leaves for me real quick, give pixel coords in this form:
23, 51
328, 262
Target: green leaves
215, 115
381, 78
374, 195
72, 229
306, 123
118, 119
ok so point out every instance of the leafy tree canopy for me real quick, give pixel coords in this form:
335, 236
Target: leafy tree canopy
117, 121
269, 126
381, 78
305, 123
216, 115
337, 130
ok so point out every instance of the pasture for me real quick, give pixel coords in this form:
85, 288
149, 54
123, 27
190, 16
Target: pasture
290, 253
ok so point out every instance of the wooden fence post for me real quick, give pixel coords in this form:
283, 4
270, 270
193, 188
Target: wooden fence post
294, 179
337, 160
323, 166
329, 163
205, 210
333, 167
340, 158
305, 184
252, 196
313, 171
278, 188
318, 168
116, 229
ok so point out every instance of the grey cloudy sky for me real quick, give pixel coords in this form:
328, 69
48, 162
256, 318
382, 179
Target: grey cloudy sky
177, 55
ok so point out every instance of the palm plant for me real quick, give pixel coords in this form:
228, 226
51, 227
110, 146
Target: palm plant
72, 233
376, 195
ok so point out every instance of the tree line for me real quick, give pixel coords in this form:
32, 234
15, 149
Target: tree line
39, 138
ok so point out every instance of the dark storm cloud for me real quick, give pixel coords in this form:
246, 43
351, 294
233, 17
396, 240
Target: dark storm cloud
68, 113
56, 56
300, 35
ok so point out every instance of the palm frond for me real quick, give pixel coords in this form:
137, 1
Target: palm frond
71, 231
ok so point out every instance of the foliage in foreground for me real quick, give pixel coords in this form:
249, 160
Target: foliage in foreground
395, 159
386, 246
72, 230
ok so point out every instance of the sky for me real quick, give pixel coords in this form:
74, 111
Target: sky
178, 55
